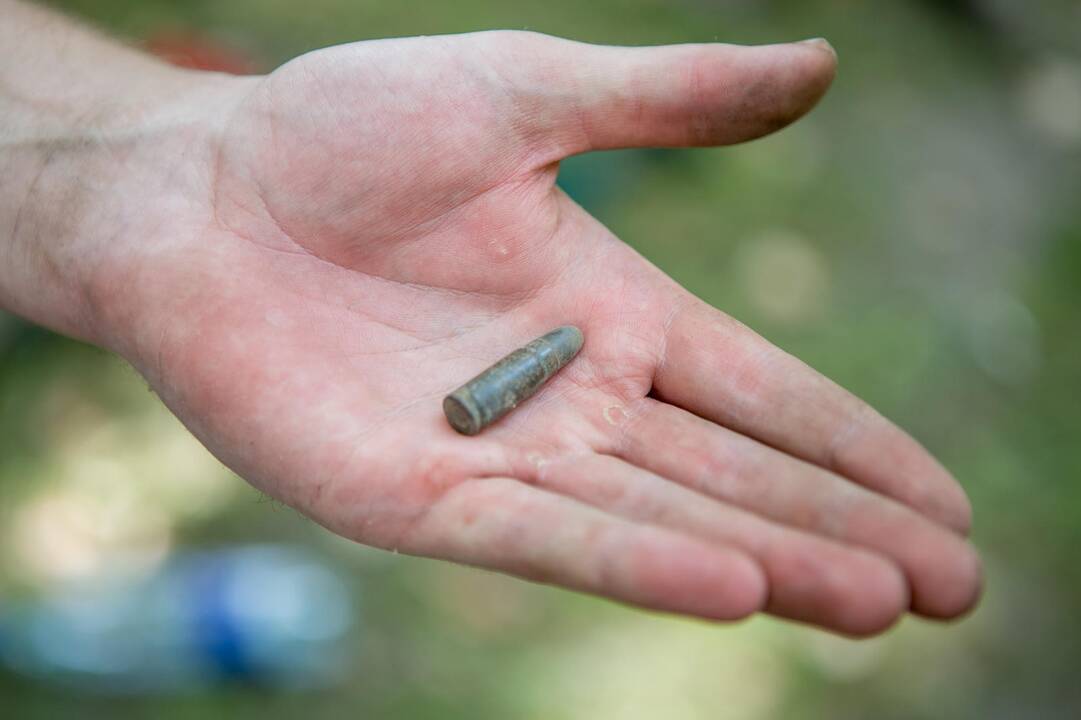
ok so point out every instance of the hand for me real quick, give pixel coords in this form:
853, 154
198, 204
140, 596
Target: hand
339, 244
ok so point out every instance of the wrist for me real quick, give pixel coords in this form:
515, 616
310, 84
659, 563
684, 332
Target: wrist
93, 181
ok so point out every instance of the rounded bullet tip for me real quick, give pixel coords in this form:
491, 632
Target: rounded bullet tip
569, 338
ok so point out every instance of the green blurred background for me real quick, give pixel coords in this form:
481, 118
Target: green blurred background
917, 238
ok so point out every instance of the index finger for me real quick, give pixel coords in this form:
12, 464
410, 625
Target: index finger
719, 369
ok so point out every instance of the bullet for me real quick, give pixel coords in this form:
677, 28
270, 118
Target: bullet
499, 389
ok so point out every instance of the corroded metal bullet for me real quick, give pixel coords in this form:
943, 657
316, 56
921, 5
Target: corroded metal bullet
499, 389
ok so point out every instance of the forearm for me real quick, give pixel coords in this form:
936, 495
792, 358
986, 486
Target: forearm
76, 112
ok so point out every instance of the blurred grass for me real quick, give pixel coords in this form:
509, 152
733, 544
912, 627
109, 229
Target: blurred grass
918, 238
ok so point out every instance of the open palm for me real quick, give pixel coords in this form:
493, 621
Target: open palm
380, 221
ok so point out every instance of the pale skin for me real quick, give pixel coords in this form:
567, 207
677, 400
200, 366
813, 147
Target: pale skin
303, 264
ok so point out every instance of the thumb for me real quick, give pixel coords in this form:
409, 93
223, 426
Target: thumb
593, 97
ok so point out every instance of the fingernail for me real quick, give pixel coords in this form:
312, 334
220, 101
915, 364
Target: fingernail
820, 42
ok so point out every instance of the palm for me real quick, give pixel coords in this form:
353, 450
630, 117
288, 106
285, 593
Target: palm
383, 225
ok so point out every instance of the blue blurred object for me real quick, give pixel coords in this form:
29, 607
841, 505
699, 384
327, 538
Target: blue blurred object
267, 615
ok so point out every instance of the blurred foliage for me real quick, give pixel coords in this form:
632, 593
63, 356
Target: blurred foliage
918, 238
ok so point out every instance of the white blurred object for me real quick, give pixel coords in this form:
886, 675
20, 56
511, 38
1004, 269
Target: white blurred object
650, 668
784, 277
1004, 338
1050, 98
67, 534
113, 494
844, 659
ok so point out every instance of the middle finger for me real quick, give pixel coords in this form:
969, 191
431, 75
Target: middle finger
943, 570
